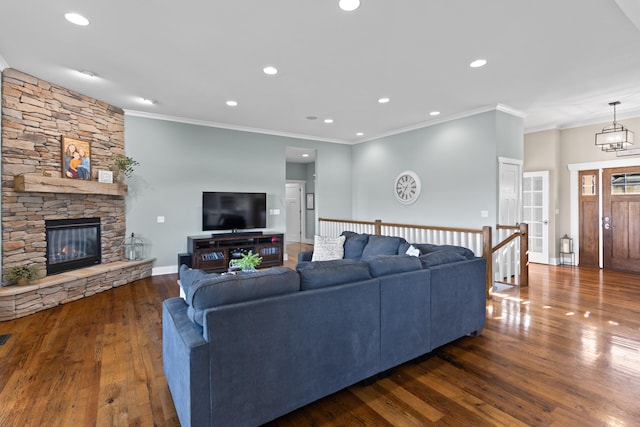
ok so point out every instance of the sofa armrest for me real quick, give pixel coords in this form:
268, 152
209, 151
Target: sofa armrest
305, 256
458, 300
185, 361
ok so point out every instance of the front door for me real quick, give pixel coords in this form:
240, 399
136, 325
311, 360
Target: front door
621, 219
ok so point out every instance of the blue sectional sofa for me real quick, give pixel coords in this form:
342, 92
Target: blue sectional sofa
245, 349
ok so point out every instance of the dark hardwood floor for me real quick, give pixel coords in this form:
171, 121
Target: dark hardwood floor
563, 352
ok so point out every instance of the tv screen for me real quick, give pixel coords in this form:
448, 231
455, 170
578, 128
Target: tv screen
233, 211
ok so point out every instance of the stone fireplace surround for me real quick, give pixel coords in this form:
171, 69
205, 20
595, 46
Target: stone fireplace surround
35, 116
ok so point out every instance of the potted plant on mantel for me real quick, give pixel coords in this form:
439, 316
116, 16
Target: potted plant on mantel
247, 262
124, 167
23, 274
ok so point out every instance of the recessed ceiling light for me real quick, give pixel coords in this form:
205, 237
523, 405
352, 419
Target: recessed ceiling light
349, 5
305, 155
148, 101
383, 100
76, 18
360, 134
232, 103
478, 63
270, 70
434, 113
328, 120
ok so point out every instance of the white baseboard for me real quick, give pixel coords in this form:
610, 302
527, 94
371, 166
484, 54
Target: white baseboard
169, 269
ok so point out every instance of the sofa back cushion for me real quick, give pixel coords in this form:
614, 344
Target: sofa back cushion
321, 274
383, 265
354, 244
382, 245
213, 290
427, 248
440, 257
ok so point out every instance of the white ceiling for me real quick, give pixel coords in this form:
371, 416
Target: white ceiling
558, 63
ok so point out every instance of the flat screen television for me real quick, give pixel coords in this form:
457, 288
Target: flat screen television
233, 211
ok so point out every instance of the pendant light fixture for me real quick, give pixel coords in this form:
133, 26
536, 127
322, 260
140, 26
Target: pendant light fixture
614, 137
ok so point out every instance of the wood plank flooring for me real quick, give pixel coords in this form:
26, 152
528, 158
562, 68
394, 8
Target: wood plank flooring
563, 352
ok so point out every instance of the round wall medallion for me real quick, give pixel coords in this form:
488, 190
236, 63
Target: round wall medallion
407, 187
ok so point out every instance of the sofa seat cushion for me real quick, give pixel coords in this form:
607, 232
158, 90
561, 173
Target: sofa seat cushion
321, 274
383, 265
440, 257
214, 290
354, 244
327, 248
426, 248
382, 245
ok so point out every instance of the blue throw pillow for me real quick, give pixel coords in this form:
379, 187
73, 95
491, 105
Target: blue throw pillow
382, 245
354, 244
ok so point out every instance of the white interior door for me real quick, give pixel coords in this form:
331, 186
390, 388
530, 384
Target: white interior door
510, 171
293, 195
535, 211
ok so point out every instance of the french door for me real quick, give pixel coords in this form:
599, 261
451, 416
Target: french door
535, 213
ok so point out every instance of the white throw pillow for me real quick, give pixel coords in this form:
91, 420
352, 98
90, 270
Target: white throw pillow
413, 251
328, 248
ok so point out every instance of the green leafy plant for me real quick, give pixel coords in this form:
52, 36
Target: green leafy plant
125, 164
248, 261
28, 272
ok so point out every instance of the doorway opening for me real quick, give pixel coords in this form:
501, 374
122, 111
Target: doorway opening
300, 195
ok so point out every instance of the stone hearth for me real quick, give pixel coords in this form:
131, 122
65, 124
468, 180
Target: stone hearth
20, 301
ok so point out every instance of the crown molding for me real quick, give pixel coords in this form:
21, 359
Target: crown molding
498, 107
594, 120
146, 115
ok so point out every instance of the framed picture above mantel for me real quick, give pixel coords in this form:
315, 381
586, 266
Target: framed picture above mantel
76, 158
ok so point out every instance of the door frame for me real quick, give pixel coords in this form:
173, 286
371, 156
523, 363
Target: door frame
574, 168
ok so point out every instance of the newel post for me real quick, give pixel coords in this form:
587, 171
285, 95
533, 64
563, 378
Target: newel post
524, 255
378, 226
487, 254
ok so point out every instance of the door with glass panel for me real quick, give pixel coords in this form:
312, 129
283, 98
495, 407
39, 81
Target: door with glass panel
535, 213
621, 219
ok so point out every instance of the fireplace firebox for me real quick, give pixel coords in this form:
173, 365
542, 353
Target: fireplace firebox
72, 244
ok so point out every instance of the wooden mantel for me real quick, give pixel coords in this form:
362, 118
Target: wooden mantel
48, 184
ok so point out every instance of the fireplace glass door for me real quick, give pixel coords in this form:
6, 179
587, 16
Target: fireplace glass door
72, 244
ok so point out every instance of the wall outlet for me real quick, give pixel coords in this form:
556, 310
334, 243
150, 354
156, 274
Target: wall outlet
160, 219
484, 214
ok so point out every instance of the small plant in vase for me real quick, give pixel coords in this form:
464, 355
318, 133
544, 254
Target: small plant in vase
247, 262
124, 167
23, 274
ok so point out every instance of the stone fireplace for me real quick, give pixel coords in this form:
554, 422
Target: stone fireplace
35, 116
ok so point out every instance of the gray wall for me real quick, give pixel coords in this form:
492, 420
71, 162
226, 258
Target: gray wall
456, 161
457, 165
178, 161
